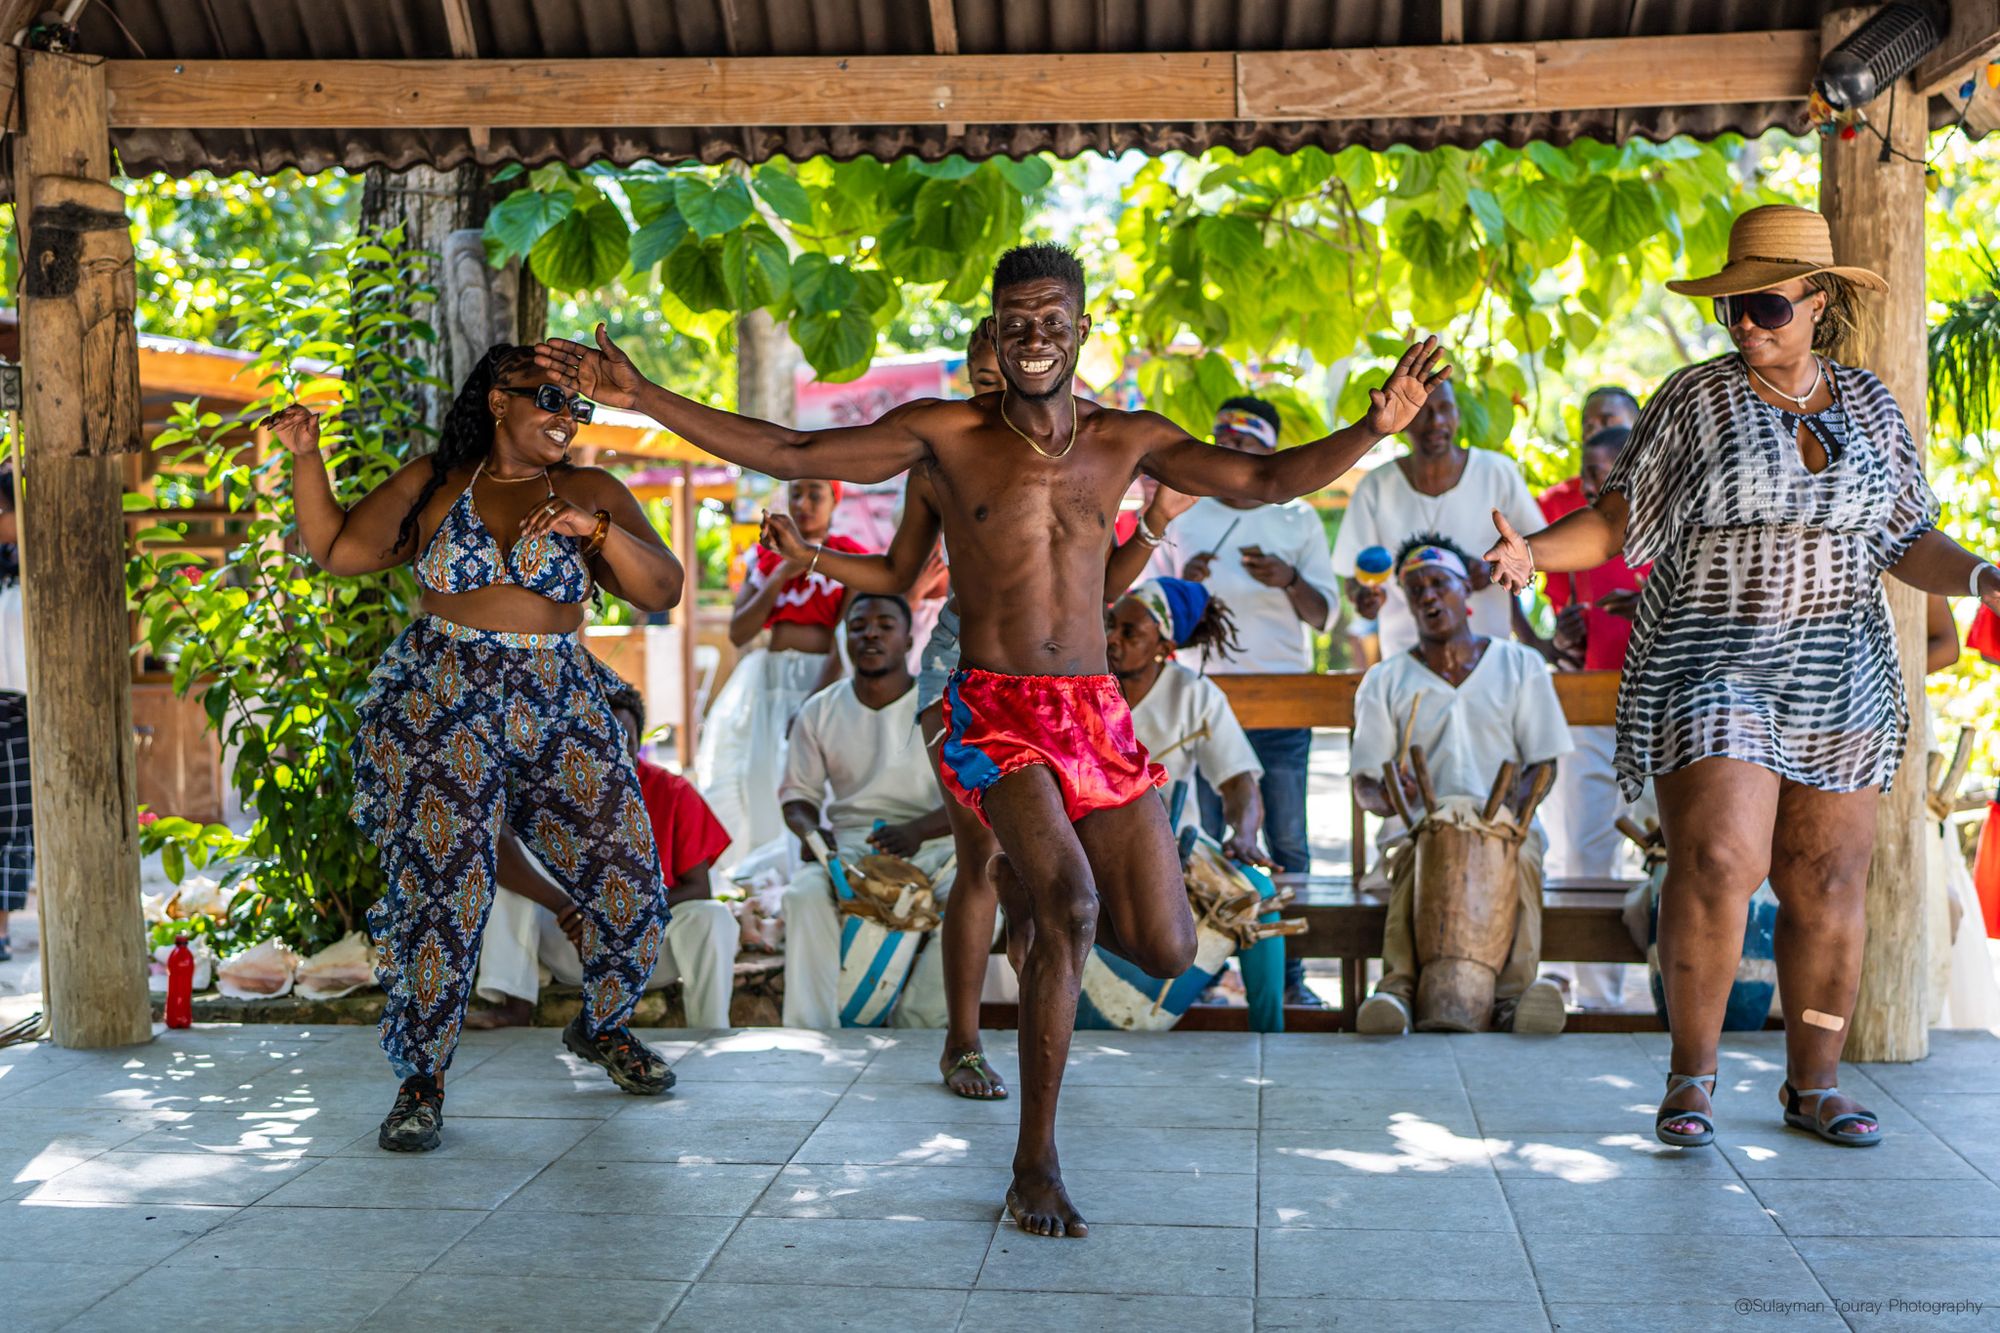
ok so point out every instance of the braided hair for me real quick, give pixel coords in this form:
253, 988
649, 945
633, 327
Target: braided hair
467, 436
10, 555
1215, 632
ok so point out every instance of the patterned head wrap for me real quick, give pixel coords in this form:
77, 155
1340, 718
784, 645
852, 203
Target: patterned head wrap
1436, 557
1177, 604
1247, 423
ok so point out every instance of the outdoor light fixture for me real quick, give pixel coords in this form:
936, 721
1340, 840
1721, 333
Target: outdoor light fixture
1879, 52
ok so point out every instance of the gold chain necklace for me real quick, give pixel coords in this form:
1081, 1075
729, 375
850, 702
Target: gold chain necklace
491, 475
1031, 439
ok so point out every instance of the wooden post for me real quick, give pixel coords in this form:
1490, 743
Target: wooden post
80, 358
689, 612
1875, 208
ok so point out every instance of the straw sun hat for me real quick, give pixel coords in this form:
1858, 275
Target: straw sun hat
1775, 244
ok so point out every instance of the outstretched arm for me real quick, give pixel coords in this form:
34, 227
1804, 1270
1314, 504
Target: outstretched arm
1181, 461
1935, 563
1581, 539
875, 452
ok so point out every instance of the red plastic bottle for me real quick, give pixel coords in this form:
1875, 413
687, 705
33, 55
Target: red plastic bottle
180, 984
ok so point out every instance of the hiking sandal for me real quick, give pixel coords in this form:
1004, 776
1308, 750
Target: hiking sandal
1667, 1116
634, 1066
1796, 1117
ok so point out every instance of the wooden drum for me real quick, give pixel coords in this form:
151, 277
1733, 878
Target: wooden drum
1467, 896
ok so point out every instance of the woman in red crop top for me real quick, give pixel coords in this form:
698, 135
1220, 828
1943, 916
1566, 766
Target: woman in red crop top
743, 739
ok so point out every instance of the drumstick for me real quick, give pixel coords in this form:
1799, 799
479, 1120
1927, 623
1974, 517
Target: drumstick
1188, 739
1543, 777
1393, 784
1502, 784
1421, 771
1640, 838
1409, 729
1961, 760
1215, 550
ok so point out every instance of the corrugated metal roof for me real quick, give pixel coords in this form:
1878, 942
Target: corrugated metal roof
372, 29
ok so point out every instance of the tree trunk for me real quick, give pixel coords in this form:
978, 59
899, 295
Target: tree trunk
1875, 208
766, 362
477, 304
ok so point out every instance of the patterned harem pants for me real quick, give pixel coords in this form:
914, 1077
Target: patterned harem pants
462, 730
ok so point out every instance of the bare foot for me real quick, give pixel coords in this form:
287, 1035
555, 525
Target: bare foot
967, 1073
511, 1014
1040, 1206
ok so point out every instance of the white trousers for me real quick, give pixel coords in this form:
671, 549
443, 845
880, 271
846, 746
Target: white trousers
812, 948
741, 758
523, 939
1584, 843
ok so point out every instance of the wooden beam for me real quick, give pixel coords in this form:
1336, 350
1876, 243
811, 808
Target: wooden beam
1875, 210
1972, 39
944, 40
81, 392
856, 90
1494, 79
1451, 22
465, 46
916, 90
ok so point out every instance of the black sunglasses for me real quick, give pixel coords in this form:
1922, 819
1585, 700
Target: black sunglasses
550, 398
1767, 310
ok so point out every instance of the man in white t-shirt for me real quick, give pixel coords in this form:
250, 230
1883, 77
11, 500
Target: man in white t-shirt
1270, 564
1472, 703
1441, 487
856, 760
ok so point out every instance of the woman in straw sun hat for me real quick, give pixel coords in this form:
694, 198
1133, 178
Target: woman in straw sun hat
1772, 488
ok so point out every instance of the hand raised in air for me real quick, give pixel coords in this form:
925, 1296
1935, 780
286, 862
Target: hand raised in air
603, 373
1408, 388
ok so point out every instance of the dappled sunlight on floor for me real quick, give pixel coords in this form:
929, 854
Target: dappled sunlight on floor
1235, 1180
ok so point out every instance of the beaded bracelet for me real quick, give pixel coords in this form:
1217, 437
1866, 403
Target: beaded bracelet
598, 534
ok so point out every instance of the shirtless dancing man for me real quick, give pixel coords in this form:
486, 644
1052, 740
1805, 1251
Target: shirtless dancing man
1039, 740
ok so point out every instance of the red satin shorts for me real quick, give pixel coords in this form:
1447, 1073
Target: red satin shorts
1079, 726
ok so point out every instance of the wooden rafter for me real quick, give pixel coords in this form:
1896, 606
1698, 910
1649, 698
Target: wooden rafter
944, 40
1973, 39
876, 90
465, 46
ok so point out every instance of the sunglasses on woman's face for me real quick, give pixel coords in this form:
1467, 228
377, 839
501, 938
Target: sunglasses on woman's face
550, 398
1767, 310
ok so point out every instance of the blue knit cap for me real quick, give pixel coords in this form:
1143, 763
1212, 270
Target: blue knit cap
1178, 604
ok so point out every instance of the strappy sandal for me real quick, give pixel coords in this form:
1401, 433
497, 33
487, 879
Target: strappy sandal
976, 1060
1798, 1119
1667, 1115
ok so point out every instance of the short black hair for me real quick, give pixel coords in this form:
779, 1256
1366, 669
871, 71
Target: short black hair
1611, 437
1043, 259
1614, 391
7, 490
1255, 406
982, 332
1437, 539
900, 603
627, 699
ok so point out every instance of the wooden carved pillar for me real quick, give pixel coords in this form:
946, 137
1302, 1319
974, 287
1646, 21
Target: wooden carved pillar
80, 383
1874, 205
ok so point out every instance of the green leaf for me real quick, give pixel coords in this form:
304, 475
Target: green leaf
650, 196
1554, 162
953, 168
1614, 216
1233, 242
657, 239
756, 268
1027, 175
524, 217
1537, 210
784, 195
712, 210
838, 344
819, 285
584, 251
693, 273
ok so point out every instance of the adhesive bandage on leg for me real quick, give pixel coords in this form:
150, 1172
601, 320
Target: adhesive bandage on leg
1831, 1022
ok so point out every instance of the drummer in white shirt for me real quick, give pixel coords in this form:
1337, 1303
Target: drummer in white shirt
856, 760
1440, 487
1473, 703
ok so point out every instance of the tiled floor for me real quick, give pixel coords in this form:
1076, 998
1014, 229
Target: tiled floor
228, 1178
